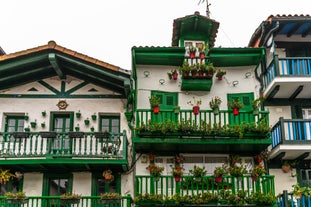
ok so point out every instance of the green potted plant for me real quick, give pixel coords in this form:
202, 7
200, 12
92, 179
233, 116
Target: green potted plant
5, 176
26, 117
256, 105
78, 114
185, 69
27, 129
176, 109
77, 128
148, 199
94, 117
43, 125
192, 51
214, 104
43, 113
267, 199
210, 70
87, 121
33, 124
237, 171
235, 105
257, 171
173, 74
219, 172
155, 171
220, 73
16, 198
198, 172
155, 103
110, 198
202, 48
286, 166
195, 105
70, 198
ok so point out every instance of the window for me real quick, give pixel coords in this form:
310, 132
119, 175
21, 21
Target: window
246, 99
110, 123
305, 176
14, 124
14, 186
306, 113
167, 100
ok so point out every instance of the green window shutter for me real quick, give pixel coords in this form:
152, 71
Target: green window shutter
245, 98
167, 99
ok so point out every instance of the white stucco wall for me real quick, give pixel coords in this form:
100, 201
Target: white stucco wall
275, 112
283, 181
33, 184
82, 183
219, 88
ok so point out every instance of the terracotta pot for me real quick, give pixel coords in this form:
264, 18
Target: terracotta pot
195, 110
235, 111
192, 55
175, 75
219, 77
177, 179
202, 55
156, 109
286, 168
218, 179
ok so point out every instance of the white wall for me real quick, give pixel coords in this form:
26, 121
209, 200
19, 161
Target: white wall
33, 184
82, 183
283, 181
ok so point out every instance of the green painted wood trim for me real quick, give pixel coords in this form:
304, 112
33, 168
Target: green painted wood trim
54, 63
10, 65
79, 86
48, 86
63, 87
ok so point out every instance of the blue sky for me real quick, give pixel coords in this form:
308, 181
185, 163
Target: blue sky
107, 30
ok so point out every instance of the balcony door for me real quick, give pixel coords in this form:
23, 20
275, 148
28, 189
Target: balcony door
62, 124
168, 101
246, 99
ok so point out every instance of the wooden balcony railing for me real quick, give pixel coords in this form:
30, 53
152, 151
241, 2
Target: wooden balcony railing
72, 144
289, 200
287, 67
166, 185
291, 131
55, 201
206, 121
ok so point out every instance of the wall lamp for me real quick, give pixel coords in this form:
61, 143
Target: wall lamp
248, 74
235, 83
162, 81
146, 73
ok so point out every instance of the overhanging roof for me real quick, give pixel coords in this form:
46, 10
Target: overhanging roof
53, 60
173, 56
196, 25
286, 25
228, 57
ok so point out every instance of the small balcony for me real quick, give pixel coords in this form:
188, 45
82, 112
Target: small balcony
186, 132
56, 201
291, 138
289, 200
74, 150
167, 187
287, 78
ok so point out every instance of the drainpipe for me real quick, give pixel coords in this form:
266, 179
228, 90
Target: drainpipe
264, 62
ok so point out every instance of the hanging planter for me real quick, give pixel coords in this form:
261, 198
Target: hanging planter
156, 109
43, 124
94, 117
33, 124
108, 177
214, 104
26, 117
196, 110
78, 114
173, 74
236, 111
77, 128
192, 51
43, 113
202, 55
218, 179
220, 74
87, 121
176, 109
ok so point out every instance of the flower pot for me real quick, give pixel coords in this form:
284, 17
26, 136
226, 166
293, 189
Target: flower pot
286, 168
192, 55
78, 115
216, 111
202, 55
186, 74
256, 112
177, 179
174, 76
33, 124
236, 111
254, 179
86, 122
176, 109
196, 110
218, 179
219, 77
94, 117
156, 109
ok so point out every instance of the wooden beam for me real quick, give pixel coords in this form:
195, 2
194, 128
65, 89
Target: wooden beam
294, 29
296, 93
302, 156
273, 92
54, 63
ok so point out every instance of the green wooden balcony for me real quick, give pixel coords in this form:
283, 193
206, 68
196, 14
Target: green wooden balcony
190, 186
186, 132
55, 201
76, 150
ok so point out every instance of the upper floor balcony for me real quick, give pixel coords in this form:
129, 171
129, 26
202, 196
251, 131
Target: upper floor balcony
42, 151
291, 138
287, 78
186, 132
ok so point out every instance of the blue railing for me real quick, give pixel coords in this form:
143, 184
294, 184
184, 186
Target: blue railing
288, 130
289, 200
287, 67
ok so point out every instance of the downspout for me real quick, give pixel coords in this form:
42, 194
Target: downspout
264, 62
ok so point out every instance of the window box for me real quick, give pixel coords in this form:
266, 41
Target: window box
76, 134
196, 84
48, 134
21, 134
